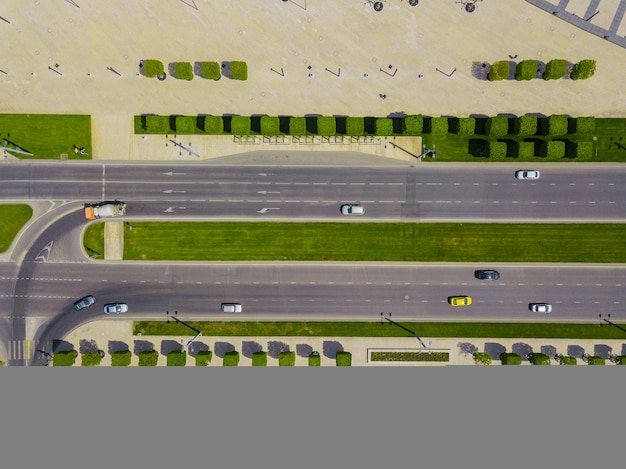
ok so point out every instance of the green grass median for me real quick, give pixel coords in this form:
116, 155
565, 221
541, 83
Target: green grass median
383, 242
13, 217
376, 329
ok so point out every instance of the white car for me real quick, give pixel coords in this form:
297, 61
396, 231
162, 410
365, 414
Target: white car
526, 174
115, 308
352, 209
540, 307
231, 308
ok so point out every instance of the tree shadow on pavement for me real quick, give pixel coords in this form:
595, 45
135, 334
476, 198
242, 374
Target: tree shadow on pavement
275, 347
467, 348
522, 349
221, 348
117, 346
168, 346
494, 350
61, 346
602, 350
87, 346
196, 347
549, 350
331, 347
303, 350
142, 346
249, 347
575, 351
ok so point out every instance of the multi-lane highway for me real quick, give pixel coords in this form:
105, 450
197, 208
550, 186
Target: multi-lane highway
48, 270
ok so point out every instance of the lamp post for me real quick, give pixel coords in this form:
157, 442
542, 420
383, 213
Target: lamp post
402, 327
175, 318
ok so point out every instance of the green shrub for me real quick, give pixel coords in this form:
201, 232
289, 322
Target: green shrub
183, 71
467, 126
413, 125
148, 358
497, 126
157, 124
595, 361
384, 126
565, 360
259, 359
526, 125
214, 125
526, 70
185, 125
498, 71
210, 70
287, 359
203, 358
297, 126
231, 358
585, 125
538, 359
555, 69
121, 358
496, 150
555, 125
67, 358
344, 358
526, 149
270, 125
584, 150
240, 125
90, 358
315, 359
620, 360
583, 70
510, 359
482, 358
238, 70
439, 125
153, 68
355, 126
177, 358
554, 149
326, 125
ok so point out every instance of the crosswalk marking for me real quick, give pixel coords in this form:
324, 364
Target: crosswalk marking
21, 349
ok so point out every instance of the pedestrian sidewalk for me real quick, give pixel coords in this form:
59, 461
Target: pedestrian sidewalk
115, 335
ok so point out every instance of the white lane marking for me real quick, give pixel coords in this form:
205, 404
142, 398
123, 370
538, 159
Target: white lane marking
103, 176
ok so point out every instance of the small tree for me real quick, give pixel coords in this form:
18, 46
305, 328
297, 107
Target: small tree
555, 69
153, 68
583, 70
315, 359
259, 359
157, 124
526, 125
148, 358
121, 358
497, 126
231, 358
439, 125
91, 358
526, 70
565, 360
555, 125
538, 359
496, 150
413, 125
620, 360
64, 358
240, 125
498, 71
482, 358
510, 359
214, 125
355, 126
326, 125
585, 125
270, 125
297, 126
185, 125
596, 361
177, 358
203, 358
384, 126
467, 126
183, 71
525, 149
238, 70
287, 358
210, 70
554, 149
343, 358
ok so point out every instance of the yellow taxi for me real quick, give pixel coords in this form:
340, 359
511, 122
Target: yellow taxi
460, 300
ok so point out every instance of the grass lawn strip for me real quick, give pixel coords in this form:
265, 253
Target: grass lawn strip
376, 329
93, 240
389, 242
410, 357
13, 217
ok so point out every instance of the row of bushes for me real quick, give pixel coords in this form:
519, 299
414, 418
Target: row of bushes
497, 126
483, 358
237, 70
554, 70
552, 149
179, 358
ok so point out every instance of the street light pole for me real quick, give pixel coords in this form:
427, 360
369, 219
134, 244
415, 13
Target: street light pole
175, 318
408, 330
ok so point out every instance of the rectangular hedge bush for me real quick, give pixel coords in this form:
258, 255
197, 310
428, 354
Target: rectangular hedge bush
203, 358
585, 125
497, 126
157, 124
287, 359
384, 126
526, 149
231, 358
270, 125
439, 125
214, 125
121, 358
315, 359
555, 125
496, 150
413, 124
553, 149
259, 359
240, 125
343, 358
326, 125
177, 358
525, 126
238, 70
153, 68
355, 126
148, 358
466, 126
297, 126
183, 71
210, 70
185, 125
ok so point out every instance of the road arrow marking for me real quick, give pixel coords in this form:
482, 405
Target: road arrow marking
170, 191
44, 253
264, 210
169, 210
267, 192
171, 173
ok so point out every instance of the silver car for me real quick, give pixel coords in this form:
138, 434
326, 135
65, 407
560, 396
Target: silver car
115, 308
352, 209
526, 174
231, 308
540, 307
85, 302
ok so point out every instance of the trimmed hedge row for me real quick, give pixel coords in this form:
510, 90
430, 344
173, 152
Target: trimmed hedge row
235, 70
530, 69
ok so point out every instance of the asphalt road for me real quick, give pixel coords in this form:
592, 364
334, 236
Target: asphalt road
49, 271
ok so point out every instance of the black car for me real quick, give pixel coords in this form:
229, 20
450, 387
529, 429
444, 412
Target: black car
487, 274
85, 302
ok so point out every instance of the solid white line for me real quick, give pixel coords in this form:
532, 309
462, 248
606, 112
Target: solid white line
103, 176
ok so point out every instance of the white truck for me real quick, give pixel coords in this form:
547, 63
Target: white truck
107, 209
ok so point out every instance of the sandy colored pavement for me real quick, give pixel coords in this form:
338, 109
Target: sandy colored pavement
111, 336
